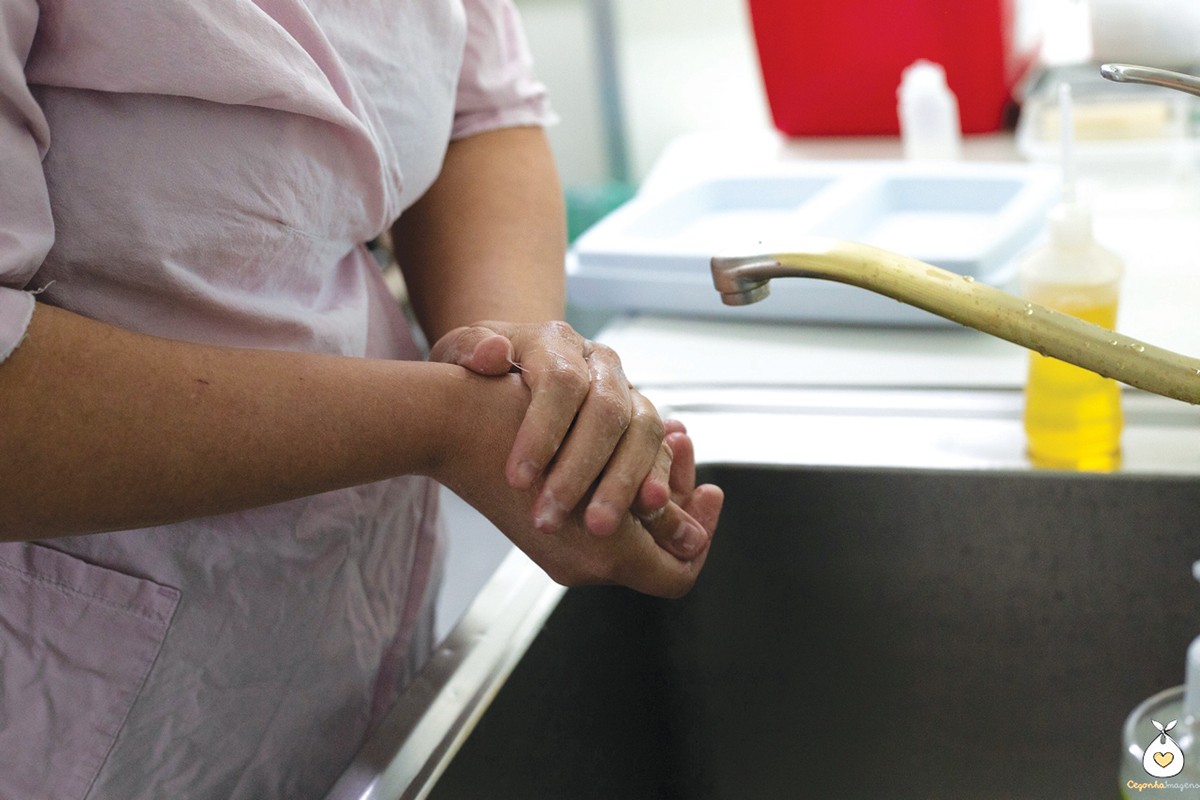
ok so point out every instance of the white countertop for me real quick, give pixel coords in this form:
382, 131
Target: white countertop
1150, 217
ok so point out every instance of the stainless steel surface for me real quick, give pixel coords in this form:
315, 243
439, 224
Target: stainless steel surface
1130, 73
436, 713
745, 279
889, 428
890, 576
863, 633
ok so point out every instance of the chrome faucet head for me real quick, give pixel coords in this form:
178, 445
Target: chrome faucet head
1130, 73
734, 278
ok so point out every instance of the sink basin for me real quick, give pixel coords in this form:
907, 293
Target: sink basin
863, 633
896, 605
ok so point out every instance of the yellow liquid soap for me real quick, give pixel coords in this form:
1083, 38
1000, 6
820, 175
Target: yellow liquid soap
1073, 416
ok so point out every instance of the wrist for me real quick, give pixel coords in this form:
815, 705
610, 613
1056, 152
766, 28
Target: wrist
475, 429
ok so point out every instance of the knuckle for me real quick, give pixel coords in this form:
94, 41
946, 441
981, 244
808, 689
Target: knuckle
644, 404
448, 345
649, 423
606, 362
563, 375
561, 330
647, 433
611, 410
605, 353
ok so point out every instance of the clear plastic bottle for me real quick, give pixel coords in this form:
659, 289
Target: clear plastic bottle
1072, 416
1159, 754
930, 128
1171, 748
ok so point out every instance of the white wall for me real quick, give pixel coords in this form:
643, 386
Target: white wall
561, 39
685, 65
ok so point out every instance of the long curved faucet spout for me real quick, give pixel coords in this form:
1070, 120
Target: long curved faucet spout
746, 279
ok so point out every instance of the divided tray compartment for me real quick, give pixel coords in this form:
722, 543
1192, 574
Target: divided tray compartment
652, 254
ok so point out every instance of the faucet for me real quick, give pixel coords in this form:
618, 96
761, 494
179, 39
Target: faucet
746, 279
1131, 73
742, 280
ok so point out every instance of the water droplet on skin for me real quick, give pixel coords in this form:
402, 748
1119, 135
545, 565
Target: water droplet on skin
1115, 343
1137, 348
1028, 310
968, 278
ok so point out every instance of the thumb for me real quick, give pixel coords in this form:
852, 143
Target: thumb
481, 350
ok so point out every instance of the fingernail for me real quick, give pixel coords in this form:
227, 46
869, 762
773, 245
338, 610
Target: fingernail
688, 538
550, 518
527, 473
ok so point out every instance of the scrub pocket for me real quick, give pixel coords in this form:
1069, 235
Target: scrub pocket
76, 644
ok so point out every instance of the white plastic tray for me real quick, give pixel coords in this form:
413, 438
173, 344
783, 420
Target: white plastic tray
652, 254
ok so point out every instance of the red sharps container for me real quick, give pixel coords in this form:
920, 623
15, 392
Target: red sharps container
832, 67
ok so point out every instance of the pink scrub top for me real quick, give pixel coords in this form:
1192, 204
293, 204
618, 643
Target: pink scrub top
209, 170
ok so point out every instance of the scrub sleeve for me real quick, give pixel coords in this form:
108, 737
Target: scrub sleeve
209, 170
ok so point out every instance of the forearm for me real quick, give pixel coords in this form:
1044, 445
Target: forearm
487, 240
104, 429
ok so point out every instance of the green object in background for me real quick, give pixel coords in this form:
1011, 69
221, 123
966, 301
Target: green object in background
588, 204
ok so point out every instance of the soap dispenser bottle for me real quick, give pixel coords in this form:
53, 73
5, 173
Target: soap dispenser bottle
1159, 737
1072, 416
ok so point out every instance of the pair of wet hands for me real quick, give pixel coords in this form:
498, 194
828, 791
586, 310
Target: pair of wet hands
595, 455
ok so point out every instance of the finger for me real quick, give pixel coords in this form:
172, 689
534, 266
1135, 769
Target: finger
679, 533
686, 532
652, 569
705, 506
479, 349
640, 458
558, 385
655, 490
683, 464
595, 443
673, 426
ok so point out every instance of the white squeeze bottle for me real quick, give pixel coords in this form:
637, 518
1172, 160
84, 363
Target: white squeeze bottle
930, 129
1072, 416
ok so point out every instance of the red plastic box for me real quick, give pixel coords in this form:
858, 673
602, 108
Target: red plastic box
832, 67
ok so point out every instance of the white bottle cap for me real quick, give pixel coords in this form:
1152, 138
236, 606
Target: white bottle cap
1070, 224
929, 120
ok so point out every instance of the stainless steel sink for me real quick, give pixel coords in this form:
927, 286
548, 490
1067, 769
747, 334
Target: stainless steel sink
864, 633
880, 630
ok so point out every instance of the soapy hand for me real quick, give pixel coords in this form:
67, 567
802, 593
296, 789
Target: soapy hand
585, 426
660, 555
